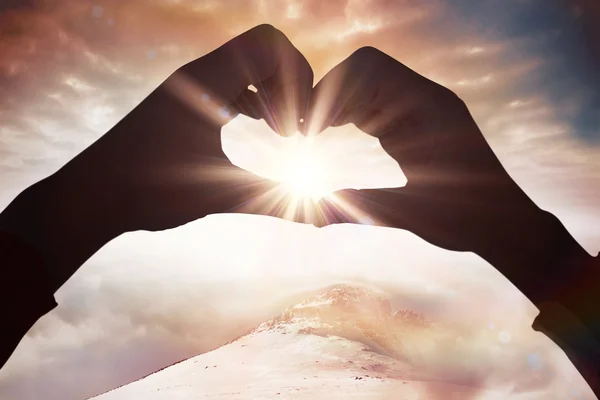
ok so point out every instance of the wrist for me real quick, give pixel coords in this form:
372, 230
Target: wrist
562, 280
579, 292
580, 345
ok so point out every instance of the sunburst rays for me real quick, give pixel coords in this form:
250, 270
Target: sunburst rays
304, 192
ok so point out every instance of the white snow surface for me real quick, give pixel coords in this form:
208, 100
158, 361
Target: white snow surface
286, 365
336, 345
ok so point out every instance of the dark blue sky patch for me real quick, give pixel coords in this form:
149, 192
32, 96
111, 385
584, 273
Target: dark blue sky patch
551, 29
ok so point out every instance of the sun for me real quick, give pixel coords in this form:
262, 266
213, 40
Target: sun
301, 169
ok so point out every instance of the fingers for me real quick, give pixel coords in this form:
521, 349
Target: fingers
369, 89
265, 58
342, 89
419, 123
280, 204
231, 189
249, 103
187, 194
394, 208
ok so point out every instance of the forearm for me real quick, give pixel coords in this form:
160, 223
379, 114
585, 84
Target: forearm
25, 293
571, 316
46, 234
574, 337
63, 222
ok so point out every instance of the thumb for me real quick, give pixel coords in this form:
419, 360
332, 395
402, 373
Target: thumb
394, 208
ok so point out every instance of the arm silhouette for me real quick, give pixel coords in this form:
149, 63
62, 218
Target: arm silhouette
160, 167
459, 196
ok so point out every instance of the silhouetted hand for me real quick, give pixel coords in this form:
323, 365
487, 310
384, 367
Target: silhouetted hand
458, 195
163, 165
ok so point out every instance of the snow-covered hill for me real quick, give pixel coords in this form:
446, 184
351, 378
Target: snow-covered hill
343, 343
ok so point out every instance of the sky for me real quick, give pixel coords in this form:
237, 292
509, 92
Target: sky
69, 70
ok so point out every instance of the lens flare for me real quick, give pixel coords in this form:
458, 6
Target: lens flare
302, 170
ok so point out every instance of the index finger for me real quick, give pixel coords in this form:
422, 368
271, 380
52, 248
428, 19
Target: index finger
265, 58
369, 88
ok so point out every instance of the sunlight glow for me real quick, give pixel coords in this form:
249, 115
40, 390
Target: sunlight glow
305, 170
301, 169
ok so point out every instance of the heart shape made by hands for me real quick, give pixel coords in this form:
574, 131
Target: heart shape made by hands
311, 166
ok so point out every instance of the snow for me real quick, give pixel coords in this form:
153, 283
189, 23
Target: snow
315, 303
344, 343
284, 364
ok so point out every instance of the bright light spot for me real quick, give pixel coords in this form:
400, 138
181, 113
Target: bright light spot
535, 361
252, 88
360, 27
475, 50
301, 168
97, 11
294, 11
224, 112
98, 117
77, 84
475, 82
504, 336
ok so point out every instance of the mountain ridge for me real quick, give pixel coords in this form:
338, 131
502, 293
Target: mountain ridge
341, 312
